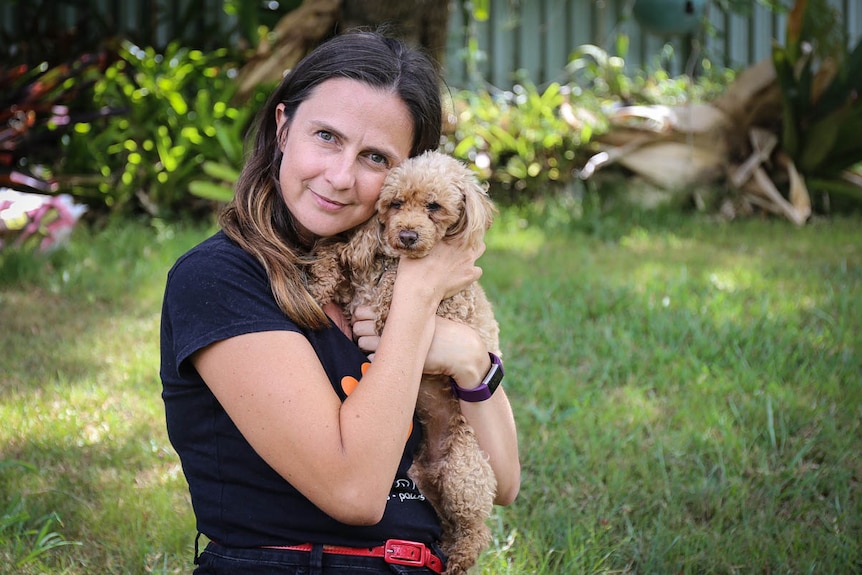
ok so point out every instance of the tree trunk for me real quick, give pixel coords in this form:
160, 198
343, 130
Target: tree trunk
420, 22
295, 35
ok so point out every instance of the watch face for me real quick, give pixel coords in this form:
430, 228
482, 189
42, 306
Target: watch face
494, 377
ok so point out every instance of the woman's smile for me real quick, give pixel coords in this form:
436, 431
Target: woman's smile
325, 203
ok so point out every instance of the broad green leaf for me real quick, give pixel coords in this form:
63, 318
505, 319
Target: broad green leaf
221, 171
178, 103
211, 191
464, 146
818, 143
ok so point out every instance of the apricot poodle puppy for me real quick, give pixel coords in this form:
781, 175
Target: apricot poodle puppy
424, 200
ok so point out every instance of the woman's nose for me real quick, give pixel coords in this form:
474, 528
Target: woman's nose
340, 172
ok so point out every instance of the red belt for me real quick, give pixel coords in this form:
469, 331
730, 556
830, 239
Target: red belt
395, 551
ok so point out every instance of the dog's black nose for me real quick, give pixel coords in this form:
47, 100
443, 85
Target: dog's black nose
407, 237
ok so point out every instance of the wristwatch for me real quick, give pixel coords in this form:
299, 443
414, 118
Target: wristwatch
488, 386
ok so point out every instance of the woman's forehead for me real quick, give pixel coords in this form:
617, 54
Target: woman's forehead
360, 112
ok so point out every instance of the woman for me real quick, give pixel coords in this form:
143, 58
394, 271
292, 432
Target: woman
294, 464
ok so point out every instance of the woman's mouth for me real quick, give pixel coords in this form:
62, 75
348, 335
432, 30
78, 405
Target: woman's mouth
327, 204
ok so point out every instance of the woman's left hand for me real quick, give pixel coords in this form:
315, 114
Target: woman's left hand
454, 349
363, 330
458, 351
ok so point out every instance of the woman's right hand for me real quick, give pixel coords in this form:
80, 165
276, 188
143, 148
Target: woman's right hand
448, 268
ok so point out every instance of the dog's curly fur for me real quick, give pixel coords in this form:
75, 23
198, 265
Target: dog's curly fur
424, 200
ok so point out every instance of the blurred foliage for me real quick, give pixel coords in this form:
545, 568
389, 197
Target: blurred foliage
177, 116
155, 130
168, 139
525, 141
44, 32
126, 129
256, 19
530, 142
597, 70
820, 80
37, 106
41, 34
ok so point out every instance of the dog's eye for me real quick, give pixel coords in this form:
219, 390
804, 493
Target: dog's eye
433, 206
395, 205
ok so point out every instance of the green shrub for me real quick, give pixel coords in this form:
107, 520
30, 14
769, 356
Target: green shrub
607, 77
177, 115
168, 140
820, 78
525, 142
531, 142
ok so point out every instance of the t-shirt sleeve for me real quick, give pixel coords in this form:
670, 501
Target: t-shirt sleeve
216, 294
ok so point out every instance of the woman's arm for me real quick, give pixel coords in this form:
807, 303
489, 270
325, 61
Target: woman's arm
458, 351
343, 456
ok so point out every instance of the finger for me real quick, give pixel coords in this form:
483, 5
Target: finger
364, 327
368, 343
363, 312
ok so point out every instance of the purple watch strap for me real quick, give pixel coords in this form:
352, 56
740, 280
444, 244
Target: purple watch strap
485, 389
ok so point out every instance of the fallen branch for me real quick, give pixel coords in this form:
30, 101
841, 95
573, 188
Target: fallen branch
610, 155
763, 143
760, 187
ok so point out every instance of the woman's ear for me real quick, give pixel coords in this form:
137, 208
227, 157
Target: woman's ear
282, 121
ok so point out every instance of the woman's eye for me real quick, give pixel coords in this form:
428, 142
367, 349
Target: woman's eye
326, 136
379, 159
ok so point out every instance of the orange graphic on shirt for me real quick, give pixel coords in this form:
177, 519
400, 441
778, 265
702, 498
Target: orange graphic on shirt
349, 383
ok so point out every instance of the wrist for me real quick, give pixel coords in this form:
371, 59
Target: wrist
486, 387
417, 296
470, 362
412, 278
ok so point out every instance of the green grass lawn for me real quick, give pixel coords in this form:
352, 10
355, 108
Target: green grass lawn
688, 394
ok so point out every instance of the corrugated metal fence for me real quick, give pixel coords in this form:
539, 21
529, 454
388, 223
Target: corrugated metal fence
539, 36
533, 35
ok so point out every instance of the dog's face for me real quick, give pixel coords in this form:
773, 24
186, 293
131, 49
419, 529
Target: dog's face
428, 198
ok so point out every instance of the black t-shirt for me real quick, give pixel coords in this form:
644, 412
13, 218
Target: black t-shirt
217, 291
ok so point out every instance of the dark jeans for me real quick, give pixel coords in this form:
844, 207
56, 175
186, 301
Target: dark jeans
220, 560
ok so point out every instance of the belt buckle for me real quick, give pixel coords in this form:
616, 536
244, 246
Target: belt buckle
408, 553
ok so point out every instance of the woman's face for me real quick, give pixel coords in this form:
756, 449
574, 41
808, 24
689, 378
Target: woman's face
339, 145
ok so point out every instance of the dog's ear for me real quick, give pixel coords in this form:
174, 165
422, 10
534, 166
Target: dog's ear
363, 246
478, 210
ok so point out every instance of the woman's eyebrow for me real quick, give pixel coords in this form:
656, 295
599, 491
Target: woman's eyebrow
322, 125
